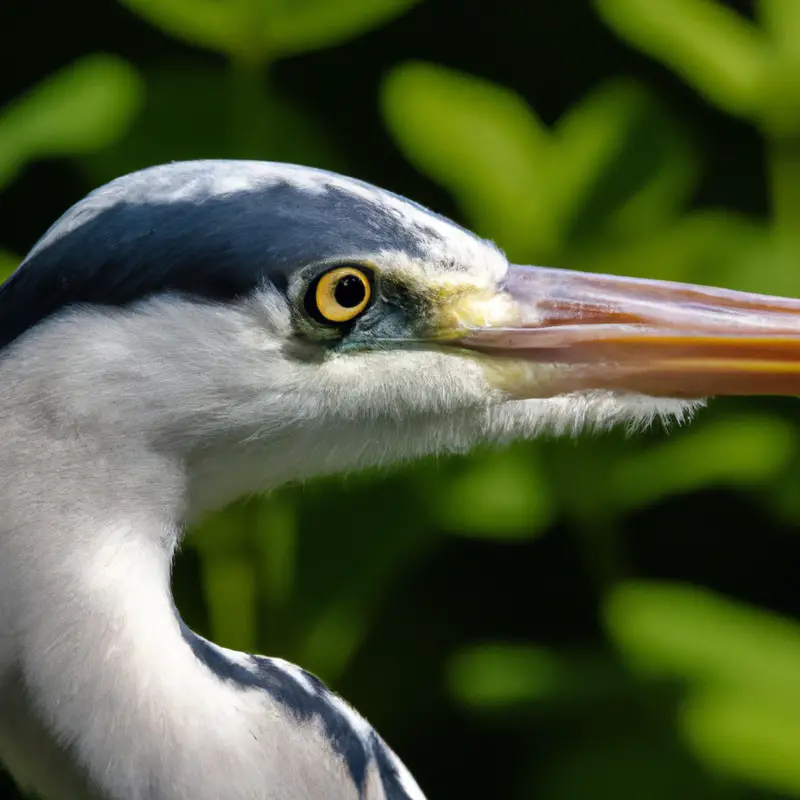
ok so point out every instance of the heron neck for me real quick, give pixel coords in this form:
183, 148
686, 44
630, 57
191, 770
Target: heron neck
106, 680
88, 623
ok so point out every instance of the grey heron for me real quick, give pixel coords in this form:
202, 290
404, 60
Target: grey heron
197, 331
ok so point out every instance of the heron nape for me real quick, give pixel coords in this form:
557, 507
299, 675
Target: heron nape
198, 331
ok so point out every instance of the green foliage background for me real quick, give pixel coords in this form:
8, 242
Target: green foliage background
609, 617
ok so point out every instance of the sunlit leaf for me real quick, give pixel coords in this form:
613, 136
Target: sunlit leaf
615, 161
738, 451
484, 144
701, 637
709, 45
498, 495
261, 30
292, 27
781, 19
82, 108
752, 736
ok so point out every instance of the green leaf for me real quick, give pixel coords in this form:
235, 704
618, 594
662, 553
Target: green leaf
497, 675
295, 26
358, 540
746, 735
338, 630
230, 584
8, 263
229, 543
693, 634
623, 162
769, 268
259, 30
190, 112
781, 20
780, 109
275, 534
709, 247
738, 451
782, 496
213, 24
721, 54
225, 532
484, 144
80, 109
615, 162
496, 495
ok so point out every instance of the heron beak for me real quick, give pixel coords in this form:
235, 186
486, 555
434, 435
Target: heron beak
657, 338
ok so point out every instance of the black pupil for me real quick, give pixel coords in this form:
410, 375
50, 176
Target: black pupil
349, 291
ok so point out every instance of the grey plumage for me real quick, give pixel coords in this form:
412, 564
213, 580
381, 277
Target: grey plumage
177, 229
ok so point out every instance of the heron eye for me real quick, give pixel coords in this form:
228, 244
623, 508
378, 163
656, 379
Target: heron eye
340, 295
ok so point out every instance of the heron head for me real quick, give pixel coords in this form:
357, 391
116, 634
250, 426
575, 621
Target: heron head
256, 318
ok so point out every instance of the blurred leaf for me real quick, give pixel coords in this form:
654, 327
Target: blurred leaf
751, 736
227, 543
336, 633
215, 24
230, 584
80, 109
497, 495
781, 19
623, 162
780, 109
579, 476
483, 143
710, 46
492, 675
770, 267
738, 451
337, 574
295, 26
189, 113
225, 532
275, 533
711, 247
358, 540
496, 676
8, 263
698, 636
742, 712
783, 497
257, 30
615, 161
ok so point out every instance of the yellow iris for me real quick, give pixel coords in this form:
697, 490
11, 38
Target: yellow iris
342, 294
